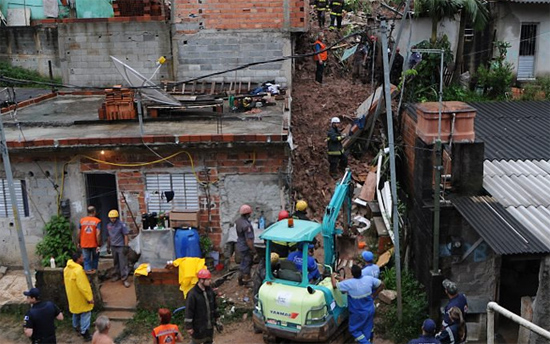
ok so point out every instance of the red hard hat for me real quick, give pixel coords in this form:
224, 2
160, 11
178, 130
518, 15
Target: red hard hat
283, 214
245, 209
204, 274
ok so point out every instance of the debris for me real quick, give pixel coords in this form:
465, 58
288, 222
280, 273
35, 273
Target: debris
366, 223
3, 270
384, 258
387, 296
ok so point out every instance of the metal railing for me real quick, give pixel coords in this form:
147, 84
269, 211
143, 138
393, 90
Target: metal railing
493, 307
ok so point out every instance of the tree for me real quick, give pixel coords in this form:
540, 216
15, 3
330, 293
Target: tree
475, 12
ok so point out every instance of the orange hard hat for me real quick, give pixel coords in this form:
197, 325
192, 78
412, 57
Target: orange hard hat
245, 209
204, 274
361, 244
283, 214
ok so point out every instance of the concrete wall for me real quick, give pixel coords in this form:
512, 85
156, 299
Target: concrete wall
209, 51
31, 47
510, 16
422, 30
85, 49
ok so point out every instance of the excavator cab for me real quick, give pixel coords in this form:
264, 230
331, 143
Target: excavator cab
289, 305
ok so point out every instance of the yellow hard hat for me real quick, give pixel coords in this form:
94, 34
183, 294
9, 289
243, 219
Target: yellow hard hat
113, 213
301, 205
274, 258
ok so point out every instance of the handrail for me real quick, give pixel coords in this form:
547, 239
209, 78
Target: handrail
493, 307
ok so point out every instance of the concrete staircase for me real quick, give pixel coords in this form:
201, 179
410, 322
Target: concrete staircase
118, 316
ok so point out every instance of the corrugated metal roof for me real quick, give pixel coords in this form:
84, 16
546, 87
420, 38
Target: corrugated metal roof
523, 188
502, 231
514, 130
531, 1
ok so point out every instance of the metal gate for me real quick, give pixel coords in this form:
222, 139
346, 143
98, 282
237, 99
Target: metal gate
527, 46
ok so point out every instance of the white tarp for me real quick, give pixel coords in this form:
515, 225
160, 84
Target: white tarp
156, 246
51, 8
19, 16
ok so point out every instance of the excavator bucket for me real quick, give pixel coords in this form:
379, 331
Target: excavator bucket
346, 247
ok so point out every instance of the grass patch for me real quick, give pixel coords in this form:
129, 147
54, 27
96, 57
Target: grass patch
7, 70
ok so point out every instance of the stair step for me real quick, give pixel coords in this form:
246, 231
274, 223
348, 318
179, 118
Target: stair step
118, 315
109, 307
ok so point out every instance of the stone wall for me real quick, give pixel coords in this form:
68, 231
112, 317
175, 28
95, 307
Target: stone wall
160, 288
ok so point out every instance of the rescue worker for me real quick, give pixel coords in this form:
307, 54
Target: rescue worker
397, 67
336, 155
320, 57
79, 295
118, 242
281, 248
455, 332
321, 6
89, 239
166, 333
370, 269
336, 7
362, 290
259, 274
39, 321
359, 61
312, 268
245, 243
455, 300
301, 213
201, 310
428, 332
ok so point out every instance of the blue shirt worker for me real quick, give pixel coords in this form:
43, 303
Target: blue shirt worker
370, 268
312, 268
39, 321
118, 243
361, 293
455, 300
428, 334
245, 243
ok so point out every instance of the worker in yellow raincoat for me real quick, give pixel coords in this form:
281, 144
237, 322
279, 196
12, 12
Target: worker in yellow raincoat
79, 295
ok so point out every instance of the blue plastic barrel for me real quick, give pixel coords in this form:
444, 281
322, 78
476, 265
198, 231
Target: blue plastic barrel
186, 242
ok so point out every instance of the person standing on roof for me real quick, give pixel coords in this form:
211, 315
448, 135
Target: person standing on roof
455, 300
118, 242
245, 243
336, 8
201, 311
89, 239
321, 6
336, 155
370, 268
39, 321
428, 333
301, 210
362, 290
320, 57
312, 268
79, 295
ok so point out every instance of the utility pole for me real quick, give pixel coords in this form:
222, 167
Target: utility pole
393, 177
9, 178
438, 166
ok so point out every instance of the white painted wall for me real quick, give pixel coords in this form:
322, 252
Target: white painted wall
509, 20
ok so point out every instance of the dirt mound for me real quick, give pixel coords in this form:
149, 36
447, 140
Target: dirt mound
312, 108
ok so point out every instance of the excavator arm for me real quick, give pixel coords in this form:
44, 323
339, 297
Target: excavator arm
342, 197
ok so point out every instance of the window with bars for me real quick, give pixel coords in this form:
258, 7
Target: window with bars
184, 186
20, 195
528, 39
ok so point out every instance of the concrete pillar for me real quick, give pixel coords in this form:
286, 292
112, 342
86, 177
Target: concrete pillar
542, 305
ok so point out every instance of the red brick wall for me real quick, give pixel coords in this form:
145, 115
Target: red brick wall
268, 159
408, 126
239, 14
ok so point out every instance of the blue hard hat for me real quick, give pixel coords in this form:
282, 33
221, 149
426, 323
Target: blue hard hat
367, 256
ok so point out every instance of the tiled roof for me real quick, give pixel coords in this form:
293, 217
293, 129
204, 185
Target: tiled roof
514, 130
504, 233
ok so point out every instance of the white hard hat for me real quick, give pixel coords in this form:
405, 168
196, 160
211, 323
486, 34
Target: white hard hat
335, 120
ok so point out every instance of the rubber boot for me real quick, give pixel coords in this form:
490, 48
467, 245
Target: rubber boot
247, 281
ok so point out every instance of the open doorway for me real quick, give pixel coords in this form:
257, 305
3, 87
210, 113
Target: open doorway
101, 192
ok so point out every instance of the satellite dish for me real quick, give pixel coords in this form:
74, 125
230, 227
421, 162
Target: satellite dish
136, 79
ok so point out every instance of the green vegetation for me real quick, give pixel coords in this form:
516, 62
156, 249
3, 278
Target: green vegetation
205, 244
537, 90
497, 78
57, 242
415, 307
9, 71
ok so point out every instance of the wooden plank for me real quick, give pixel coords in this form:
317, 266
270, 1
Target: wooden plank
368, 191
380, 226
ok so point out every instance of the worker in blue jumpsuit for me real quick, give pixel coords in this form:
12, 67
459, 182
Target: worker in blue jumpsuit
312, 268
428, 334
362, 290
455, 300
370, 269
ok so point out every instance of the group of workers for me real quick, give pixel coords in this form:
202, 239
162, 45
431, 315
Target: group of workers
453, 327
335, 9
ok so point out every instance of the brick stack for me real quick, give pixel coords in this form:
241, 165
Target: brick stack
118, 104
136, 8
